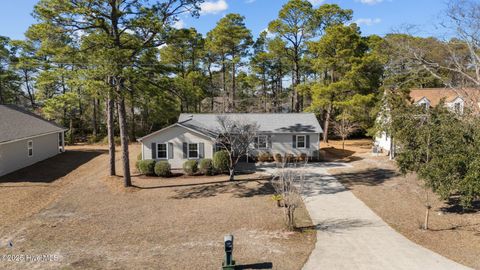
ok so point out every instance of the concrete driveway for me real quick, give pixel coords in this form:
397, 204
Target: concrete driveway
351, 236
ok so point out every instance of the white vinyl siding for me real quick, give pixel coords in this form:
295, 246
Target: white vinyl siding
14, 155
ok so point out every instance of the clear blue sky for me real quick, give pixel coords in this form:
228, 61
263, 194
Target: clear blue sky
374, 16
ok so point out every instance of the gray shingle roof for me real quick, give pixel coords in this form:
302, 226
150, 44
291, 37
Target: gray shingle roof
268, 122
17, 123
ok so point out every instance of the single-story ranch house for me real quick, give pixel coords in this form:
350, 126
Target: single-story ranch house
26, 138
455, 100
194, 136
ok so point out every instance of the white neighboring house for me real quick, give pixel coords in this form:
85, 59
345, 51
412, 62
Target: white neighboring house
455, 100
194, 135
26, 138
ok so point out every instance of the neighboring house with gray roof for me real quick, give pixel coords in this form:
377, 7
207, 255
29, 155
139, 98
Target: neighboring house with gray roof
26, 138
194, 136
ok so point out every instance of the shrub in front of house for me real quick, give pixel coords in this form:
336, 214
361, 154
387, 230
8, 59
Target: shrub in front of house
302, 157
163, 169
221, 160
206, 167
190, 167
289, 158
264, 157
278, 158
146, 167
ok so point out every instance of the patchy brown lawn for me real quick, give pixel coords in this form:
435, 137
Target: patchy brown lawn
400, 201
68, 207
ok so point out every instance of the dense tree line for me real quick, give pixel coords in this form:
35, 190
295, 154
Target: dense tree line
108, 68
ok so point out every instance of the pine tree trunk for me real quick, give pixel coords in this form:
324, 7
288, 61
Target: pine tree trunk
233, 86
224, 82
111, 132
326, 124
94, 119
122, 121
297, 79
71, 138
132, 112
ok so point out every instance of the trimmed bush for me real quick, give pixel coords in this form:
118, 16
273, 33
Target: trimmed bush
146, 167
163, 169
206, 167
302, 157
264, 157
289, 158
221, 160
278, 157
190, 167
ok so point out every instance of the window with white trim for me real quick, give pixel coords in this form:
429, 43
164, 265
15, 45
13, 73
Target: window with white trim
301, 141
193, 150
262, 142
30, 148
162, 152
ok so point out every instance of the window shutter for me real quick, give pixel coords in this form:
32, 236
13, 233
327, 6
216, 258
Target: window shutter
269, 141
255, 143
294, 141
170, 150
185, 150
307, 141
201, 150
154, 150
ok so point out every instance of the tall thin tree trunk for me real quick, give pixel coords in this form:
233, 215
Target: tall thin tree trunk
2, 99
122, 122
111, 131
327, 123
233, 84
72, 131
224, 82
30, 93
132, 112
297, 79
264, 85
94, 118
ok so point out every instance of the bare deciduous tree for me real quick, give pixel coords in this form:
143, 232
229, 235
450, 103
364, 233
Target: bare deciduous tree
344, 127
456, 61
236, 136
288, 183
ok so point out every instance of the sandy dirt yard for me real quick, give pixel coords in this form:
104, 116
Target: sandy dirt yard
67, 210
400, 201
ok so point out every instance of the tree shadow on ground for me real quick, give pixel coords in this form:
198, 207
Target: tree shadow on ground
335, 154
337, 226
52, 169
370, 177
461, 227
264, 265
454, 206
238, 189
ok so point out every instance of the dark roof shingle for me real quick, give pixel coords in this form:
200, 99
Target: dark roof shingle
17, 123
